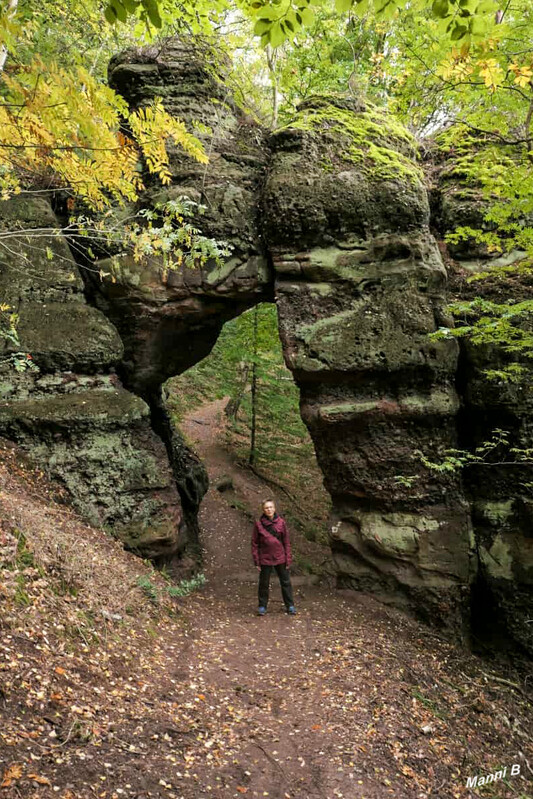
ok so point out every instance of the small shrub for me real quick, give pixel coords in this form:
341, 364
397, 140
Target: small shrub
304, 564
21, 596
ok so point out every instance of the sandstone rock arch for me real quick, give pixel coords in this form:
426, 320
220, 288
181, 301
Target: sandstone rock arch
328, 217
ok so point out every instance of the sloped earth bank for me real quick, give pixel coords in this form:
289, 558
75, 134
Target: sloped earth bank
107, 693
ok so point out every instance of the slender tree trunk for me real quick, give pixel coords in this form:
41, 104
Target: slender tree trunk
501, 13
251, 459
11, 10
271, 61
527, 126
232, 408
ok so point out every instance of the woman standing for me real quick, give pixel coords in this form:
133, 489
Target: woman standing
271, 548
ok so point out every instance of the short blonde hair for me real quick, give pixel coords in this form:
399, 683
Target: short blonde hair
264, 502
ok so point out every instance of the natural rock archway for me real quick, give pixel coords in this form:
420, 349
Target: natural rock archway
329, 217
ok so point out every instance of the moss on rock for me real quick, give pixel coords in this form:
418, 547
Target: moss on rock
67, 336
372, 184
387, 337
84, 409
360, 133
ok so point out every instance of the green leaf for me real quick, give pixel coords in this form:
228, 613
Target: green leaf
277, 36
120, 11
268, 12
387, 10
292, 18
261, 26
110, 14
152, 9
458, 32
440, 8
130, 6
308, 17
479, 26
343, 5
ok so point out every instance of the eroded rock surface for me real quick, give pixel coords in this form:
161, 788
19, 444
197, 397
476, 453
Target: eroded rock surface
329, 217
500, 489
168, 327
71, 413
358, 292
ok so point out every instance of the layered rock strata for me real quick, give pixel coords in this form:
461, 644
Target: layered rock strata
329, 218
500, 487
360, 285
66, 407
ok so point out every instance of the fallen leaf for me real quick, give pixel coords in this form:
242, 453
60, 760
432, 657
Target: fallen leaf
12, 773
39, 779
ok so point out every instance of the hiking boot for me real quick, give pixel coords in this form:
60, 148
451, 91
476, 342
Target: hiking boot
291, 610
261, 610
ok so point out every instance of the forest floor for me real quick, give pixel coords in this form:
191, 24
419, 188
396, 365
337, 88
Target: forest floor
112, 688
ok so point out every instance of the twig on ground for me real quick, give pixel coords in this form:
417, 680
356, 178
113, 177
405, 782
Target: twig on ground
270, 758
503, 681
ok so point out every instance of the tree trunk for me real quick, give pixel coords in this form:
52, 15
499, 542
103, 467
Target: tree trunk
232, 408
11, 11
251, 459
271, 62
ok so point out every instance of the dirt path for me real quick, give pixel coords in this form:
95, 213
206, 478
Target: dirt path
226, 530
107, 693
346, 699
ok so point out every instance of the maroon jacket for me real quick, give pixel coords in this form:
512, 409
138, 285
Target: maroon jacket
266, 549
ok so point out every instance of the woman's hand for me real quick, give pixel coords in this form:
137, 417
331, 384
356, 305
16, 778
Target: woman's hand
258, 568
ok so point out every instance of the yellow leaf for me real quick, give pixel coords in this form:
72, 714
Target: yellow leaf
523, 75
491, 73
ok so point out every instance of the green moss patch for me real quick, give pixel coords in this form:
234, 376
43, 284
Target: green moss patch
362, 134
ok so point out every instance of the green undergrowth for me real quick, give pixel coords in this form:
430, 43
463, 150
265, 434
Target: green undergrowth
371, 137
155, 593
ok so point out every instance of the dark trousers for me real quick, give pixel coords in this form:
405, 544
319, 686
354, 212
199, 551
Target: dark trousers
284, 581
